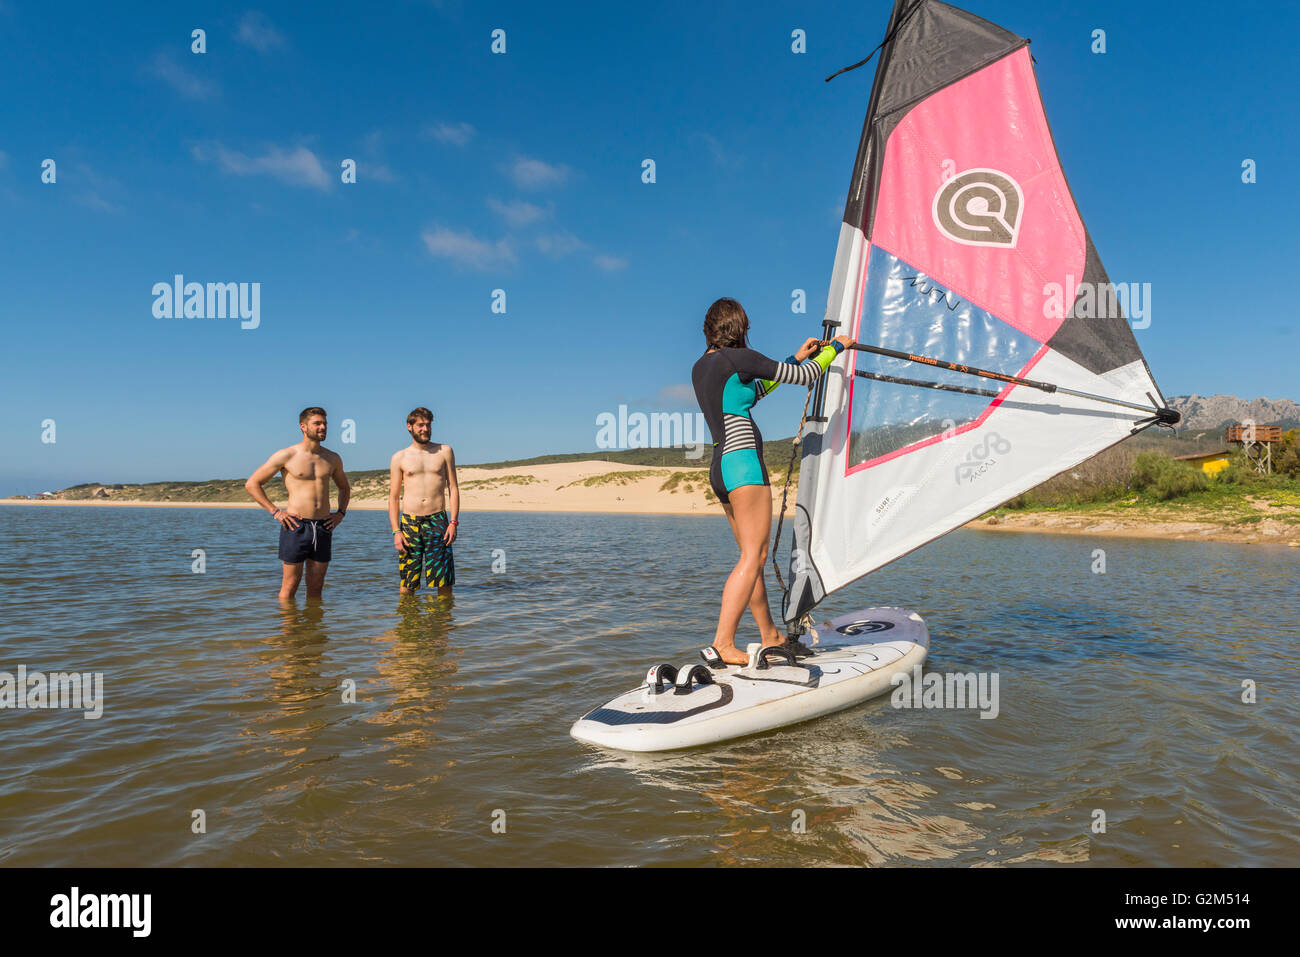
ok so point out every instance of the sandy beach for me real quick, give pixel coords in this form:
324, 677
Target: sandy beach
607, 487
591, 486
1266, 532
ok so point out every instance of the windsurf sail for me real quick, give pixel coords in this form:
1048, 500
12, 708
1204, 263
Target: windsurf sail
997, 353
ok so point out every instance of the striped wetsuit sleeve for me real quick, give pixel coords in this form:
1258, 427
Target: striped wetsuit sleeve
802, 373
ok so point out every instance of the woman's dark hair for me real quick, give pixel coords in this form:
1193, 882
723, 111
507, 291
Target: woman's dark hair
726, 325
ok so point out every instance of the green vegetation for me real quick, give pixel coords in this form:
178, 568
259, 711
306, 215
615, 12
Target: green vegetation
1119, 481
776, 453
498, 480
1286, 458
215, 490
684, 481
615, 478
665, 457
1166, 478
1103, 478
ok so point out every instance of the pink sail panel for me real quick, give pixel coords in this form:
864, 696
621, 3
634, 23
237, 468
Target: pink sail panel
937, 141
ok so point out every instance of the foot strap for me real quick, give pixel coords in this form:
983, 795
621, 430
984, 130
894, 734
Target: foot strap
659, 674
712, 658
697, 674
773, 651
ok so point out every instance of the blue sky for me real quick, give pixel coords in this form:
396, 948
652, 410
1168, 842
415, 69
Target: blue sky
522, 172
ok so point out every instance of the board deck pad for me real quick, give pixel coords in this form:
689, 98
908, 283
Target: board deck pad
855, 656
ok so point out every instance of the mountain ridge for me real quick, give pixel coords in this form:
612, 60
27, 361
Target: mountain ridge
1209, 412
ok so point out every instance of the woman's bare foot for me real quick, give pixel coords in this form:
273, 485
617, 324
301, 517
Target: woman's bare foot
731, 654
776, 639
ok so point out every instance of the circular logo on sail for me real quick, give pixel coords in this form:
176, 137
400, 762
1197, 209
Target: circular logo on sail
864, 627
980, 457
980, 207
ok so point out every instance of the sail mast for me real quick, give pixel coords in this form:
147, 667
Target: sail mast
861, 166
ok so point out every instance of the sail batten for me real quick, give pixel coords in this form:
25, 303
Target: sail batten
958, 227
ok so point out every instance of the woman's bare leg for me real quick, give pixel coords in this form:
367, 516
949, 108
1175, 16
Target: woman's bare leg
762, 615
758, 607
750, 514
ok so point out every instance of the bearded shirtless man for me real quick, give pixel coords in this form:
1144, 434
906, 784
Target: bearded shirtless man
423, 505
306, 524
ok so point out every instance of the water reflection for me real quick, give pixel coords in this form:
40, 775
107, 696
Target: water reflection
812, 795
417, 659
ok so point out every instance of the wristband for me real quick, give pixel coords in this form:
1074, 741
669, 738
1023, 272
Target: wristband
454, 522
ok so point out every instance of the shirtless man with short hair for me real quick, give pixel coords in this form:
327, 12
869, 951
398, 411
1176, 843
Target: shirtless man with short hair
306, 524
423, 505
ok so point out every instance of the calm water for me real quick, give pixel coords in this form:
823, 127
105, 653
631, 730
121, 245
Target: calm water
1118, 691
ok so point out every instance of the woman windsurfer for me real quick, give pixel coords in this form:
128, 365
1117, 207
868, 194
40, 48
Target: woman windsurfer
729, 378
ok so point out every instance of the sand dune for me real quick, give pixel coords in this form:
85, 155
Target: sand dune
591, 486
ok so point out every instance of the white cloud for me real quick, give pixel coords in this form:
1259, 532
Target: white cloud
466, 249
297, 167
721, 155
559, 245
517, 213
94, 201
457, 134
529, 173
372, 166
181, 80
255, 30
683, 394
96, 184
609, 263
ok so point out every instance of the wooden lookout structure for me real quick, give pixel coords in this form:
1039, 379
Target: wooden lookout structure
1256, 443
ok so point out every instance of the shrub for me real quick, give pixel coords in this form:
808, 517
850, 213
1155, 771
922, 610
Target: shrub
1102, 478
1164, 478
1286, 454
1238, 472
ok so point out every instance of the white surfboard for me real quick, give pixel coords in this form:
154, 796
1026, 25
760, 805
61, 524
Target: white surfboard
855, 656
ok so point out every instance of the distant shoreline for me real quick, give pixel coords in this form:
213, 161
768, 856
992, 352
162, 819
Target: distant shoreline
593, 487
366, 505
1043, 523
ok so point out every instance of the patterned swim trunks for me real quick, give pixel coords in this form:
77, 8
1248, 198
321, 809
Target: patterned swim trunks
426, 550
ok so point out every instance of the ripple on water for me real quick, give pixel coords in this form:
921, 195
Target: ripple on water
1119, 694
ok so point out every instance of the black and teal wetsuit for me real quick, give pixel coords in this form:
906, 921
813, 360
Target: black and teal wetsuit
727, 384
